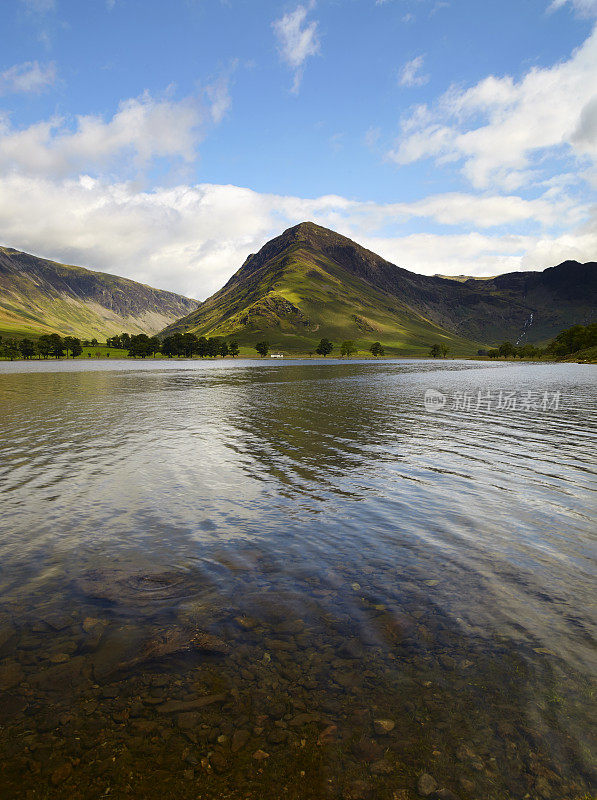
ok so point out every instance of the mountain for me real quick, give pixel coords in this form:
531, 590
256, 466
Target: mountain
311, 282
39, 296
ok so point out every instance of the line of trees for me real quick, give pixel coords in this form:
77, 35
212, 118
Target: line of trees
189, 345
325, 347
49, 344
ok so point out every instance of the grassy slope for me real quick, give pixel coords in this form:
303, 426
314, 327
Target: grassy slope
300, 296
39, 296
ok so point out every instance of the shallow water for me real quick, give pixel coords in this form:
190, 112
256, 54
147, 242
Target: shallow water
217, 578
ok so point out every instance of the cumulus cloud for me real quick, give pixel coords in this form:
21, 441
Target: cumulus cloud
29, 77
410, 74
297, 40
500, 129
142, 129
190, 239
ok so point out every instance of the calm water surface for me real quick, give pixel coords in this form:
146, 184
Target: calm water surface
256, 580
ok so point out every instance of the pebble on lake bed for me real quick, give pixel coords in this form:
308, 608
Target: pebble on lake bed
426, 785
383, 726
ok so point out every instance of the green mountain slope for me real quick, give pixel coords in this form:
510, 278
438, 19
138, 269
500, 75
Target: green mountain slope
39, 296
294, 292
311, 282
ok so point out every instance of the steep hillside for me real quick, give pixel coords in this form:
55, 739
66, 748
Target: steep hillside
39, 296
311, 282
296, 291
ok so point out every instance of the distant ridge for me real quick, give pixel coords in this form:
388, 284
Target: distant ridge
40, 296
311, 282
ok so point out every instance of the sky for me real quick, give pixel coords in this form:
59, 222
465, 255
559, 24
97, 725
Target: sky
165, 142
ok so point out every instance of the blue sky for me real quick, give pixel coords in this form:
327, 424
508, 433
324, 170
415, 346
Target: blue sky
166, 142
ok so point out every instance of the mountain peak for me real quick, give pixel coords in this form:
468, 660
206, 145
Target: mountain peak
307, 231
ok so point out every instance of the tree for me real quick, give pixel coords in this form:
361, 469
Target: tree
202, 347
445, 349
44, 345
506, 349
348, 348
11, 349
154, 345
27, 348
435, 351
324, 348
528, 351
169, 348
140, 346
72, 345
573, 339
224, 349
233, 349
213, 346
262, 348
493, 353
188, 344
376, 349
56, 345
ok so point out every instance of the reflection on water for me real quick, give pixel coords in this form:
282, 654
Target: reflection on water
247, 580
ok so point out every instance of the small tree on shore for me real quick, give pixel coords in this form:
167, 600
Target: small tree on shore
72, 345
506, 349
56, 345
348, 348
10, 349
27, 348
262, 348
324, 348
445, 349
233, 349
376, 349
435, 351
44, 345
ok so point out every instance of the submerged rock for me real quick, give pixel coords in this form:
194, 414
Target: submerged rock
426, 785
383, 726
182, 706
61, 773
173, 640
239, 740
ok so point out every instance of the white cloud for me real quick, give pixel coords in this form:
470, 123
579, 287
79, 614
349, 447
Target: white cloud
29, 77
500, 128
39, 6
410, 74
297, 40
218, 94
142, 129
585, 8
190, 239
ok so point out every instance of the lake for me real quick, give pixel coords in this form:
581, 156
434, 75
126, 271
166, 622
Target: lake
247, 579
